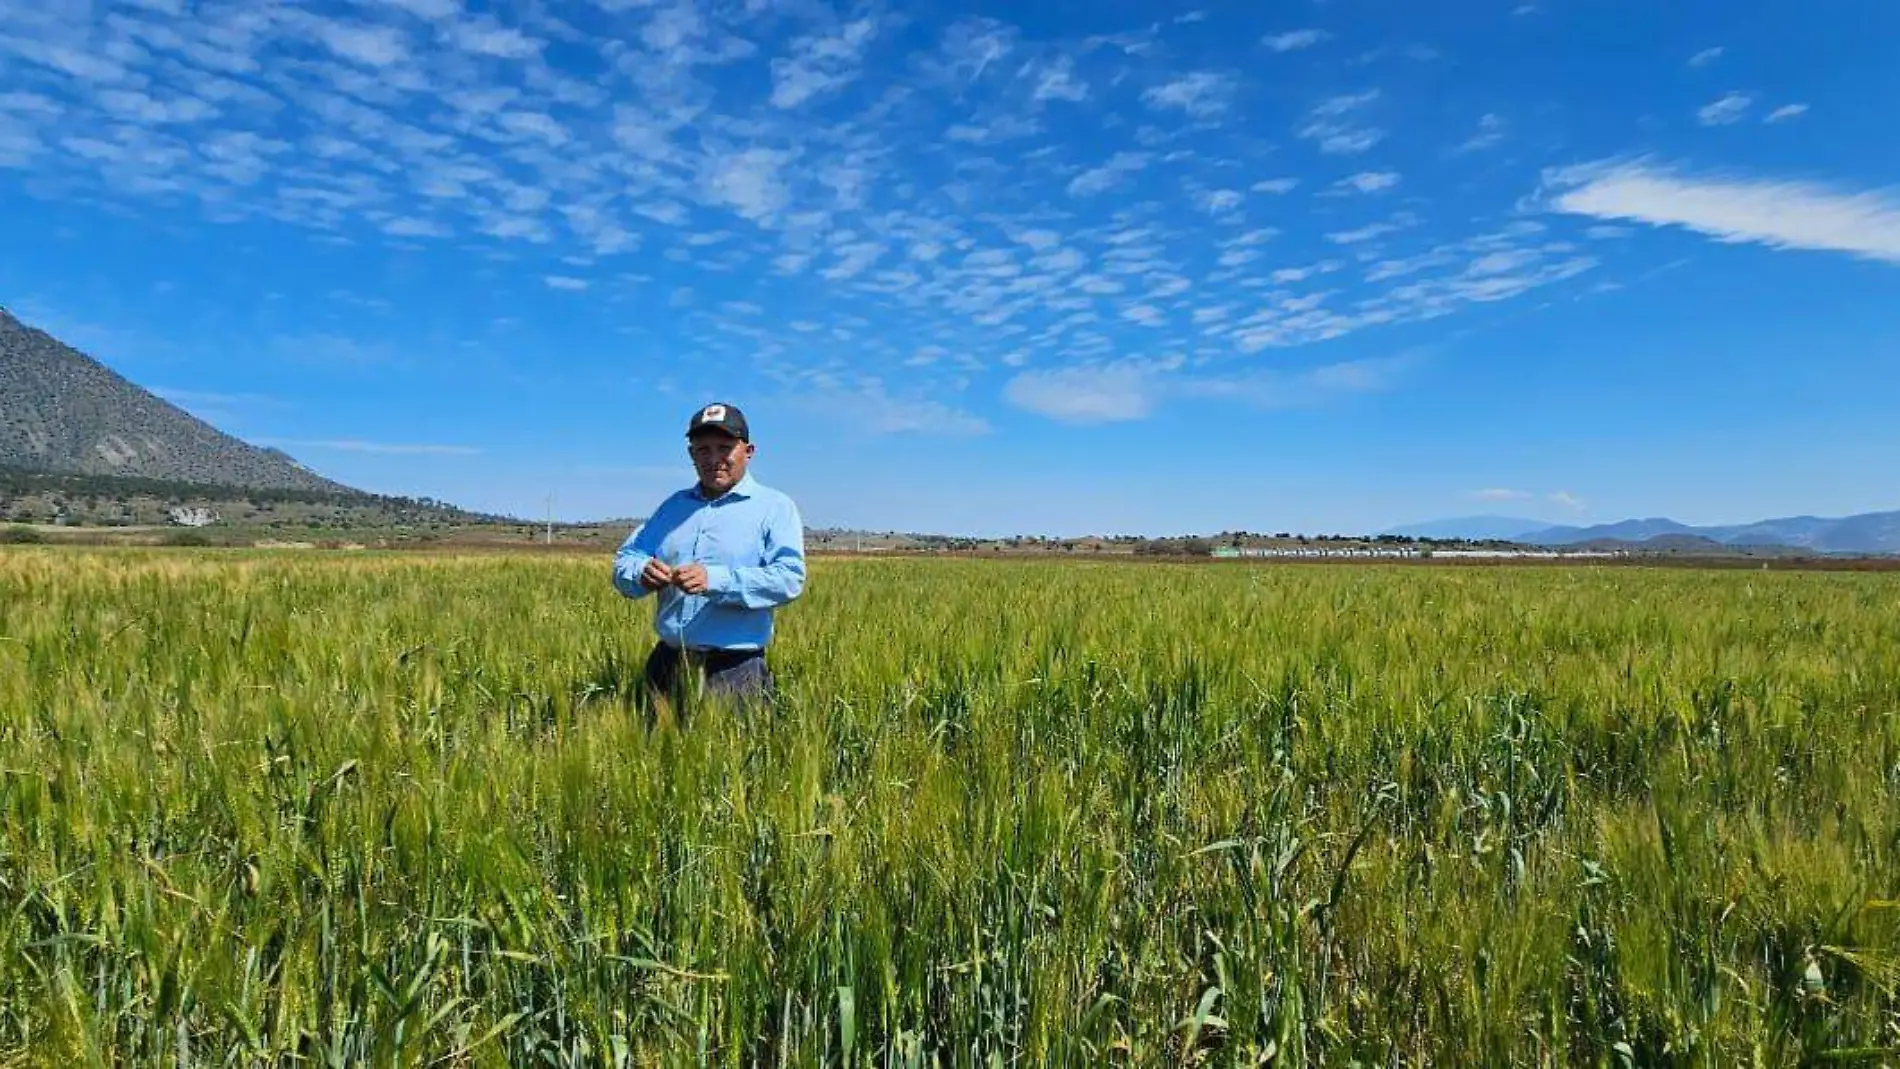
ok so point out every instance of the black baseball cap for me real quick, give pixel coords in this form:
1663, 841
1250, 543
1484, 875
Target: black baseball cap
721, 417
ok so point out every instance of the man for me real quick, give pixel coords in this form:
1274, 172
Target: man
721, 556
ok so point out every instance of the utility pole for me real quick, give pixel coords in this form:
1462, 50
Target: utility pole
550, 519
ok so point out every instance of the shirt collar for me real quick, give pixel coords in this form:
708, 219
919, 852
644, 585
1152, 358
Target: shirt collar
745, 487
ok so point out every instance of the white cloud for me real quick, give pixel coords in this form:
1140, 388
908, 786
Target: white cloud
1058, 82
1778, 213
1276, 186
1706, 56
19, 145
1059, 262
820, 63
1567, 500
1107, 176
1003, 127
1727, 110
533, 124
1344, 104
1084, 395
1369, 181
1036, 238
1498, 494
1200, 94
430, 10
1490, 132
868, 406
372, 46
671, 30
853, 259
1330, 123
1361, 234
1133, 390
969, 48
1357, 376
1296, 40
749, 182
409, 227
1221, 201
487, 37
137, 107
1786, 112
33, 104
565, 282
1487, 268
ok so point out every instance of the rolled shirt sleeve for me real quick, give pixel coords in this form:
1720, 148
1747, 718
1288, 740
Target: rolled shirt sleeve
628, 564
640, 547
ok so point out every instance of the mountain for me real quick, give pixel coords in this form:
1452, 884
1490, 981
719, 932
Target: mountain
1470, 528
1867, 529
1847, 534
1625, 531
1869, 532
62, 411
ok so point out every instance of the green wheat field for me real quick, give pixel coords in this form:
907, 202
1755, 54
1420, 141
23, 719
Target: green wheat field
347, 809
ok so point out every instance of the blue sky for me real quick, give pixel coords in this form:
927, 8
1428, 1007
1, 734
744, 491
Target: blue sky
986, 267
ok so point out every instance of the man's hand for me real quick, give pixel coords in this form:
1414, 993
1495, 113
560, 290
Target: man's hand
656, 574
691, 578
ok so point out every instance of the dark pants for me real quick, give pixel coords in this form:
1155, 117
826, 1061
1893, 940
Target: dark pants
737, 676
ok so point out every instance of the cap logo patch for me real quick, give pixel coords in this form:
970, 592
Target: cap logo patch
713, 413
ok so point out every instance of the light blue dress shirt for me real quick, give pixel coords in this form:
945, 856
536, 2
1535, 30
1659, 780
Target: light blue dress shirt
752, 544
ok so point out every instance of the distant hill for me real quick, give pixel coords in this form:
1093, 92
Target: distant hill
1877, 532
1623, 531
62, 411
1471, 528
1869, 532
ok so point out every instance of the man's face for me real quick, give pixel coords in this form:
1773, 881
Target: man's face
719, 458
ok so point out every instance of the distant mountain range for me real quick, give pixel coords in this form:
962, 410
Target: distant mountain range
63, 412
1871, 532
